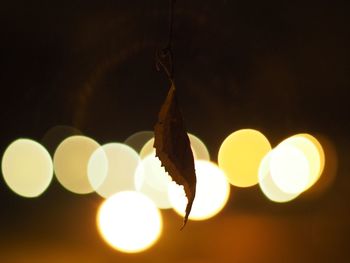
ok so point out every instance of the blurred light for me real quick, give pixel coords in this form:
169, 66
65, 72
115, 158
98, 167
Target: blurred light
289, 169
147, 149
139, 139
212, 192
111, 169
240, 155
329, 171
319, 148
152, 180
310, 151
27, 168
129, 222
268, 186
56, 135
199, 150
71, 163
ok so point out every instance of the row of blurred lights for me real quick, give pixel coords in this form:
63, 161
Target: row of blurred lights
135, 186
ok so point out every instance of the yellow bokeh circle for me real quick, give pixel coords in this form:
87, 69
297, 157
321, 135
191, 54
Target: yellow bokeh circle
71, 160
240, 155
290, 169
269, 187
129, 222
27, 168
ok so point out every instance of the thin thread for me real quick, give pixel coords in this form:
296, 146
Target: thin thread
165, 56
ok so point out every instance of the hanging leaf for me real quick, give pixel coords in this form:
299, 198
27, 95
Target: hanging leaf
173, 147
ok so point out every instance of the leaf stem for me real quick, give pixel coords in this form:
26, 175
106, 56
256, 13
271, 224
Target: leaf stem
165, 56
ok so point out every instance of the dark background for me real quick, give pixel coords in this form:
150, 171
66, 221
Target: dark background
281, 67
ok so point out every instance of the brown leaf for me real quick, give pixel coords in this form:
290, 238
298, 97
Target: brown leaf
173, 147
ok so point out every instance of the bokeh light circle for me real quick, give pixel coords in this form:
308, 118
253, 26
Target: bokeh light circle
310, 151
200, 151
319, 147
321, 154
147, 149
129, 222
329, 171
139, 139
268, 186
212, 192
27, 168
240, 155
111, 169
152, 180
289, 169
71, 160
57, 134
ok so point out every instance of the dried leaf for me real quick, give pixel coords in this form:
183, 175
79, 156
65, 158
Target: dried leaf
173, 147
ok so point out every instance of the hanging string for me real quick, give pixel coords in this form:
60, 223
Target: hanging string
165, 56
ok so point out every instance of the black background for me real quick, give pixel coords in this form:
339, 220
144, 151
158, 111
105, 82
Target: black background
281, 67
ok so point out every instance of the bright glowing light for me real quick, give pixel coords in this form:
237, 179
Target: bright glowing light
27, 168
111, 169
320, 151
212, 192
129, 222
330, 169
139, 139
240, 155
289, 169
71, 163
152, 180
310, 152
268, 186
199, 150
